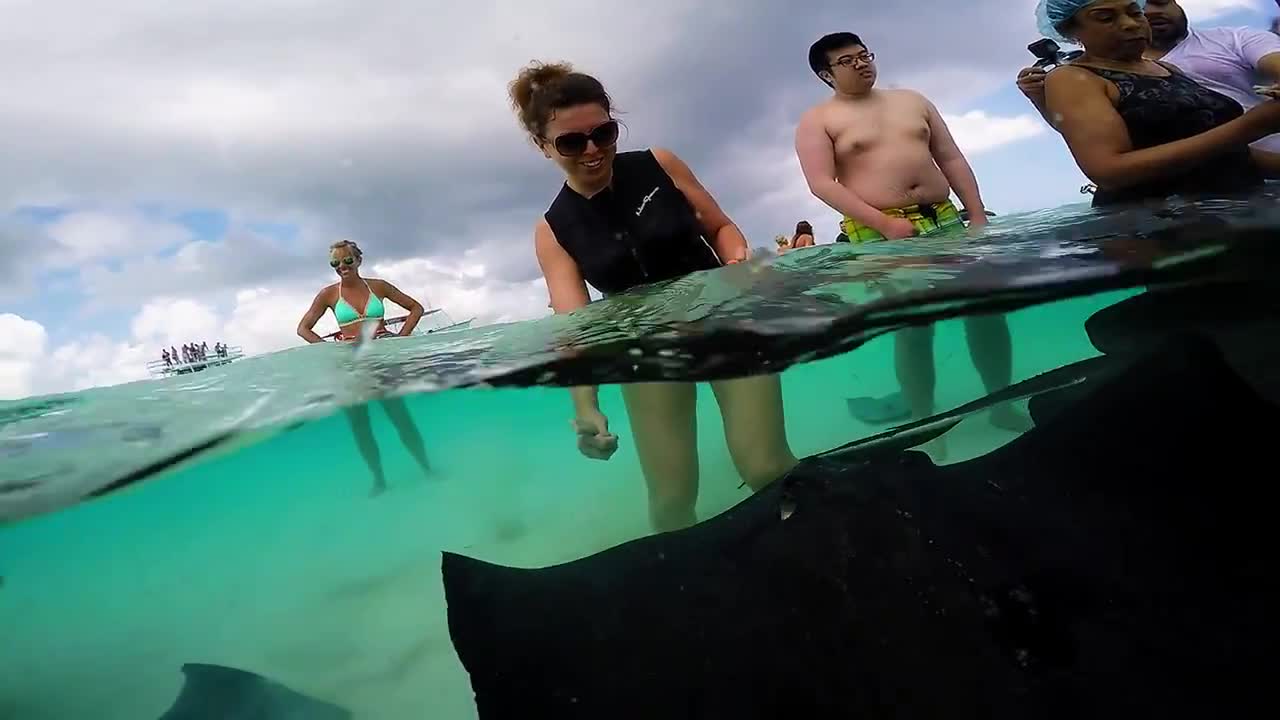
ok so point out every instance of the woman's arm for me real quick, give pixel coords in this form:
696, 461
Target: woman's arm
1098, 139
726, 238
392, 293
312, 316
568, 293
1268, 162
1031, 84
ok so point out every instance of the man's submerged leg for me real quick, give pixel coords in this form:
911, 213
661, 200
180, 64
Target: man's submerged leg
913, 361
992, 351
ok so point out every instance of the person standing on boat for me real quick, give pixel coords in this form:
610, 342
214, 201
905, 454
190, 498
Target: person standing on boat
886, 161
623, 220
343, 297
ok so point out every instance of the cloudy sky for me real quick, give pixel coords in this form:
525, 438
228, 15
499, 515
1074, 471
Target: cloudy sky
176, 171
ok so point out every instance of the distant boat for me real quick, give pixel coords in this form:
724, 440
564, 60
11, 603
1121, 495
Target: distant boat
434, 320
160, 368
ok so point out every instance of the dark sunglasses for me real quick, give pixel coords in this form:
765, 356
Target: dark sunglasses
575, 143
348, 260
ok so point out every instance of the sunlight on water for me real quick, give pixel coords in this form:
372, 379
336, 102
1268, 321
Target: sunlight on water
270, 555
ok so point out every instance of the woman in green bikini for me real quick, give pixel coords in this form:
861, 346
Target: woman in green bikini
344, 298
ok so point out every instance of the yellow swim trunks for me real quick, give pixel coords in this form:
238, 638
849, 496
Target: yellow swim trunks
928, 219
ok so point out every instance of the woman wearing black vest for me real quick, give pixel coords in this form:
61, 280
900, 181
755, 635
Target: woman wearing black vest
629, 219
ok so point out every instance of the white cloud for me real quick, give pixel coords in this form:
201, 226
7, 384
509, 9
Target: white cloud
1199, 10
977, 132
93, 361
464, 292
164, 322
28, 366
86, 236
22, 344
947, 85
266, 319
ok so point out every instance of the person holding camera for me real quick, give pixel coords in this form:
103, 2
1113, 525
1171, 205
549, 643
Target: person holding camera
1228, 60
1140, 129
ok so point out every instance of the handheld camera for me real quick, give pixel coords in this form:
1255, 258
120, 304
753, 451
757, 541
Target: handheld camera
1048, 53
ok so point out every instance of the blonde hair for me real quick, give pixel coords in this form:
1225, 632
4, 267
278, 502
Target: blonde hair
355, 249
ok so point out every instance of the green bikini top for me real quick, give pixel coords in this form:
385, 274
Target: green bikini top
346, 314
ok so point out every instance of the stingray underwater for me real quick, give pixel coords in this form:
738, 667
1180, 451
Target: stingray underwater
1086, 569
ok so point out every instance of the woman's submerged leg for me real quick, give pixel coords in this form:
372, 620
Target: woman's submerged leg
362, 429
408, 431
755, 428
664, 425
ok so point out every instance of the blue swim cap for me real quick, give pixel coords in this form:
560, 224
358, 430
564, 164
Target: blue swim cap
1052, 13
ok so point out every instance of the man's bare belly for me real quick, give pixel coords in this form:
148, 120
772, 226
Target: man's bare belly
894, 177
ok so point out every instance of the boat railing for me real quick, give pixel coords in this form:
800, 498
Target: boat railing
160, 367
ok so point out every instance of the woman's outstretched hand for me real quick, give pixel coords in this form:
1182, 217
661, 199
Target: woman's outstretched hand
594, 439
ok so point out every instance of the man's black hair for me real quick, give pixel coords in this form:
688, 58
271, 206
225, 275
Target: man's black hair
818, 59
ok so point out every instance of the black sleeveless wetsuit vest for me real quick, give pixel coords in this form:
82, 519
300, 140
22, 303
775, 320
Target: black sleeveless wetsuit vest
1160, 110
639, 230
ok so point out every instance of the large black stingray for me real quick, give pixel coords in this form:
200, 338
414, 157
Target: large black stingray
214, 692
1112, 562
1243, 319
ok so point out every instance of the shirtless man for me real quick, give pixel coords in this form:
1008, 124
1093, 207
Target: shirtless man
885, 160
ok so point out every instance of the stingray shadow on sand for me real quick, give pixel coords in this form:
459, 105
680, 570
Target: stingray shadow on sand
214, 692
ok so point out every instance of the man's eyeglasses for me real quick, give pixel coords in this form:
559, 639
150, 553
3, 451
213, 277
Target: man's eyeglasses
855, 60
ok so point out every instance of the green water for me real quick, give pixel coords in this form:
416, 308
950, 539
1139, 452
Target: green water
271, 556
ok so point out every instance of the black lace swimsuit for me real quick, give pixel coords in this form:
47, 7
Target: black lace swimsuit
1161, 110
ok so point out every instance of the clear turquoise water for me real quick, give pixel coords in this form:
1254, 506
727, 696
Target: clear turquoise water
269, 555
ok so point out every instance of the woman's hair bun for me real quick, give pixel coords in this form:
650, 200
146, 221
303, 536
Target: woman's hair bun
534, 77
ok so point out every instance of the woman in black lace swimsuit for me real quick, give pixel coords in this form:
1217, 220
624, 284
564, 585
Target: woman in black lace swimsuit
1140, 129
